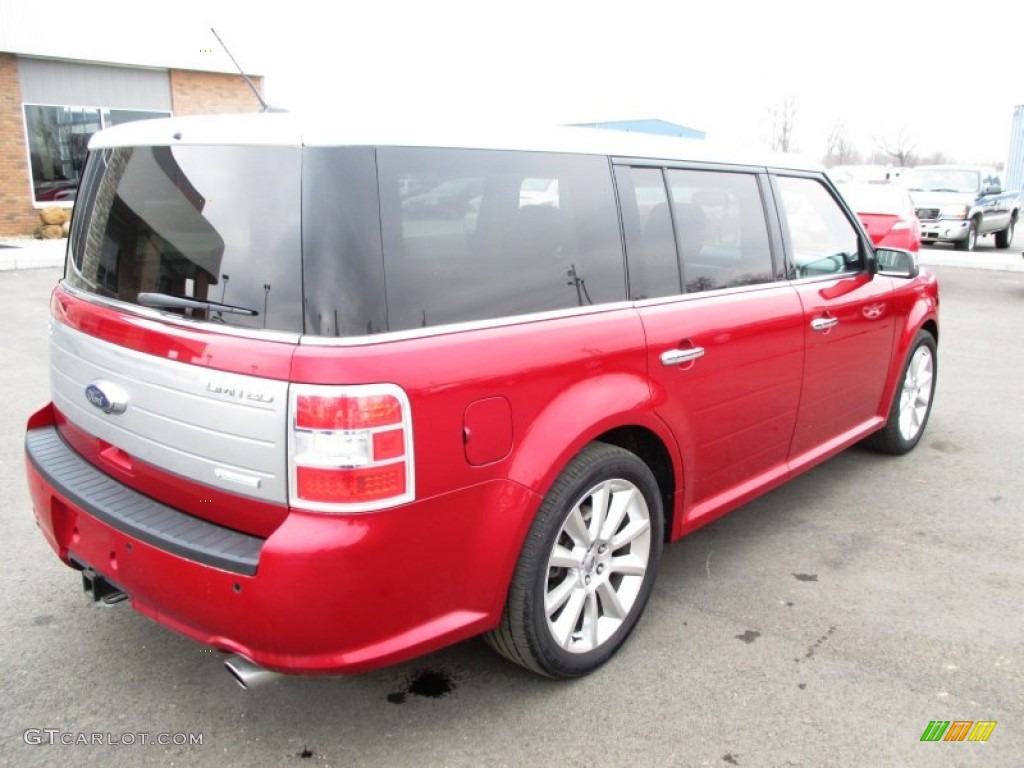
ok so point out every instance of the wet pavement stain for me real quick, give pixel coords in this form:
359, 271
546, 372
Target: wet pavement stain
749, 636
942, 446
730, 758
42, 621
805, 576
306, 753
429, 683
817, 644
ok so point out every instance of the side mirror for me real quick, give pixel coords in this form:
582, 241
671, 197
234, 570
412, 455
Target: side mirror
896, 262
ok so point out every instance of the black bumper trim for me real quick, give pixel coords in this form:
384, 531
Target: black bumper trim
137, 515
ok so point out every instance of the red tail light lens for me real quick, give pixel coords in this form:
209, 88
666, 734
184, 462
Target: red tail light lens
332, 485
388, 445
317, 412
350, 448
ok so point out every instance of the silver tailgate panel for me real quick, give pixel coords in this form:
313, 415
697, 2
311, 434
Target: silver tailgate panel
221, 429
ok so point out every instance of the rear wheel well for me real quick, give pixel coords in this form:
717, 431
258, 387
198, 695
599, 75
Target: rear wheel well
652, 451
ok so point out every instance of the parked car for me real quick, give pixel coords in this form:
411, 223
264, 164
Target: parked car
325, 433
959, 203
887, 213
863, 174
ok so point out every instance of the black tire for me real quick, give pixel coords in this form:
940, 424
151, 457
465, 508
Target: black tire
968, 243
1004, 237
526, 634
907, 420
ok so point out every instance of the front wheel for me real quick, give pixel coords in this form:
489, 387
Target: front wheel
912, 403
968, 243
1005, 236
587, 567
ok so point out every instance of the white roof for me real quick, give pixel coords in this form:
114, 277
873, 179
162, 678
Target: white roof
292, 130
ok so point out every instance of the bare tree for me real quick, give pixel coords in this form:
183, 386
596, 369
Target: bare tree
783, 121
899, 148
838, 149
935, 158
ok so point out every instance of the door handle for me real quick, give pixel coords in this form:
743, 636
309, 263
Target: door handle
677, 356
824, 323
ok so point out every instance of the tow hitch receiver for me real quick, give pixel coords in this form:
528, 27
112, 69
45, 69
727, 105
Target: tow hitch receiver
98, 588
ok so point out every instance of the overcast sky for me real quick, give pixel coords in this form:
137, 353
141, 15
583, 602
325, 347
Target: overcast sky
945, 73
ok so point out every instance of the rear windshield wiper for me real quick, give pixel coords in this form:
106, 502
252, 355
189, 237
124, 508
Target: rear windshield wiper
166, 301
943, 189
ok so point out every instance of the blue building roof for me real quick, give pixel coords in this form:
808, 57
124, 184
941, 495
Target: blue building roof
659, 127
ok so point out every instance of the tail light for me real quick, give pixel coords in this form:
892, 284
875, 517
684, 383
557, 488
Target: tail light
350, 448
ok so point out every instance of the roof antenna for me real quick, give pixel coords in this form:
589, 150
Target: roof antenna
264, 107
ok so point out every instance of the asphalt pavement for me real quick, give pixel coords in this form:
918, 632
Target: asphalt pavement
825, 624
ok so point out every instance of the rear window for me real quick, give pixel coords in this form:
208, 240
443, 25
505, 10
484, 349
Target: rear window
217, 227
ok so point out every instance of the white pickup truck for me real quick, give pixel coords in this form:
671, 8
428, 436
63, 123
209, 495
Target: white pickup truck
960, 203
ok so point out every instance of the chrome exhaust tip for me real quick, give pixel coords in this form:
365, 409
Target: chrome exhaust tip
247, 674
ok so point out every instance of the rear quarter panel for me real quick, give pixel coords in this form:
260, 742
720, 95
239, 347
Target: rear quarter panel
566, 380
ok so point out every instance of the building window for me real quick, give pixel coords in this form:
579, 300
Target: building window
58, 138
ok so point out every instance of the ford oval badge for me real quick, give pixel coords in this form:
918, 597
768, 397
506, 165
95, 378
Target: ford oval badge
107, 396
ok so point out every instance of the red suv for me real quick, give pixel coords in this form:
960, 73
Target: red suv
301, 416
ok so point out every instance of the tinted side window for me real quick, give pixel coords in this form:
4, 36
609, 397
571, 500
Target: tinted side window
723, 235
475, 234
822, 240
650, 241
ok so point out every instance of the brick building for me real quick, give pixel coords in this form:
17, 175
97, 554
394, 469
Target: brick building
54, 94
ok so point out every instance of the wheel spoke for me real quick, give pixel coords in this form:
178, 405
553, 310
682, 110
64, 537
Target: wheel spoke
564, 558
924, 379
635, 529
563, 628
556, 597
628, 565
590, 621
613, 608
576, 527
621, 503
599, 499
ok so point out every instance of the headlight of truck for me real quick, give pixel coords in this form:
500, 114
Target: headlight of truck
953, 212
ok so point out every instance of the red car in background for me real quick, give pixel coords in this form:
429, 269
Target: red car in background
887, 213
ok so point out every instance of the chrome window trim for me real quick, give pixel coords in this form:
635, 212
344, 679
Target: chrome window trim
470, 325
386, 337
698, 295
823, 278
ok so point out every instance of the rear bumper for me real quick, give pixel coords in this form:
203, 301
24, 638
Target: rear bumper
322, 594
138, 516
